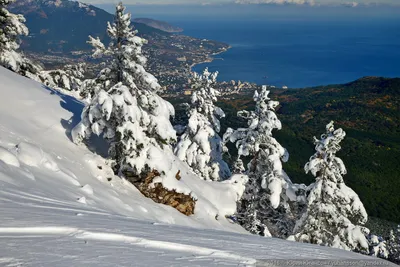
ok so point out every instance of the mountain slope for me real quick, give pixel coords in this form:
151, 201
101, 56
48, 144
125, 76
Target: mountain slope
56, 26
60, 209
38, 121
161, 25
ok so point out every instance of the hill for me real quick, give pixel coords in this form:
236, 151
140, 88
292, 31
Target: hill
368, 110
65, 198
161, 25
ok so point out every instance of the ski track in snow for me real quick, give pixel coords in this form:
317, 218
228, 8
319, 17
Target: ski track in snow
22, 232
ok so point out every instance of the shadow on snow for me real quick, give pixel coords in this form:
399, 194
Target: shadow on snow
95, 144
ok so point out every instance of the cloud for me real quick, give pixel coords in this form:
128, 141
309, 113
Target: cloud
299, 2
351, 4
346, 3
277, 2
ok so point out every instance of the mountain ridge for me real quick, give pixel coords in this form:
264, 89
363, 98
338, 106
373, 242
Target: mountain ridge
157, 24
58, 25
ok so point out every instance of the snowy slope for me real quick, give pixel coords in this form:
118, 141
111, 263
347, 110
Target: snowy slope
58, 207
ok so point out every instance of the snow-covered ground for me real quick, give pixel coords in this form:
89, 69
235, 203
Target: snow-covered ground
60, 204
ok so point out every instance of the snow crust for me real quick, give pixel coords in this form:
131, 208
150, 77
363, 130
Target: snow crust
65, 198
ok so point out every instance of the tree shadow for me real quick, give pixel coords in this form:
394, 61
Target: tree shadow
95, 143
70, 104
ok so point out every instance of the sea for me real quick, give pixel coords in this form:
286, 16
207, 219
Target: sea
293, 46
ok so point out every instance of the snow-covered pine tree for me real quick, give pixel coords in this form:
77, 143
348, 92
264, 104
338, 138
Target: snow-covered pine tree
11, 28
238, 167
393, 245
377, 246
335, 214
270, 203
200, 146
76, 71
125, 108
124, 59
69, 78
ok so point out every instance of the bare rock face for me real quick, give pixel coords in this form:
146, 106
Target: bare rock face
183, 203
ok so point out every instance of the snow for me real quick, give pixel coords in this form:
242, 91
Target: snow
87, 189
41, 143
268, 185
12, 27
68, 78
34, 156
199, 145
334, 211
8, 158
62, 206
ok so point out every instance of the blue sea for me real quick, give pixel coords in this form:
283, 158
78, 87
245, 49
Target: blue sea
293, 46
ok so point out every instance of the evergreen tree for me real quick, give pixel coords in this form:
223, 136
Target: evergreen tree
11, 28
271, 203
125, 108
377, 246
68, 78
334, 212
393, 246
123, 58
200, 146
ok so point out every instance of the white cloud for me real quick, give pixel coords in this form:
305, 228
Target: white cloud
310, 2
277, 2
348, 3
351, 4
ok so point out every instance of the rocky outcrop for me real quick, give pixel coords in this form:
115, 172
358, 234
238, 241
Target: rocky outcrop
158, 193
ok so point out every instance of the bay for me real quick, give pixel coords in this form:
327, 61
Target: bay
293, 46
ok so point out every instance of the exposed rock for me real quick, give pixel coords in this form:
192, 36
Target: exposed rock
178, 175
159, 194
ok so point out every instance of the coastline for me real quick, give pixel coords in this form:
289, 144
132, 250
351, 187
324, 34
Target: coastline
210, 58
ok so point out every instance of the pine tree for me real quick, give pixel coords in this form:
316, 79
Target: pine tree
11, 28
124, 59
125, 108
200, 146
335, 214
377, 246
69, 78
270, 200
393, 246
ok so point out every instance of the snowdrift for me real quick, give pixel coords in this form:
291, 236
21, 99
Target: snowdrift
62, 206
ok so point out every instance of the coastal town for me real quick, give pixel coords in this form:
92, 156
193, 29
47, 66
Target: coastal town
171, 59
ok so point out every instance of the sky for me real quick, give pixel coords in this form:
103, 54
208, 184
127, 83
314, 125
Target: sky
350, 3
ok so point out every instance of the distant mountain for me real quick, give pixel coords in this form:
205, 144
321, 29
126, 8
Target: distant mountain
62, 26
161, 25
59, 30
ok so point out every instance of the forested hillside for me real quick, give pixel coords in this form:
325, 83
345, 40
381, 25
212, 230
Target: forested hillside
367, 109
